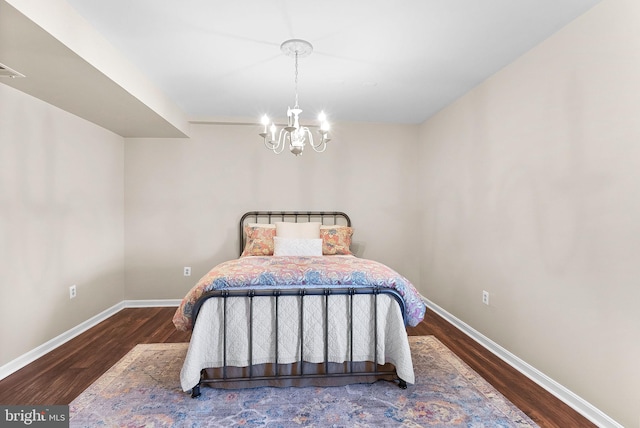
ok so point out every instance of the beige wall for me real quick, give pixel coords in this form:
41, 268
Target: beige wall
530, 189
61, 221
184, 198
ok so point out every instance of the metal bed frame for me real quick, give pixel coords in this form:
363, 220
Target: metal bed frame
278, 294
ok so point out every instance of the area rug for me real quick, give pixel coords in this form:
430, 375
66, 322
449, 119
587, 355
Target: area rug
143, 390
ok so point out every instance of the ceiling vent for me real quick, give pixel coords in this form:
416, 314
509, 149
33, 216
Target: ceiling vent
8, 72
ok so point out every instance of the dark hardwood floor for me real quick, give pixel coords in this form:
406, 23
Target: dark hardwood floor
61, 375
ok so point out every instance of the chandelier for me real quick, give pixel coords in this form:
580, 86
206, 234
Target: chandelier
293, 135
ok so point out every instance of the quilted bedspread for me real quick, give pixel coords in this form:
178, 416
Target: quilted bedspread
270, 271
206, 350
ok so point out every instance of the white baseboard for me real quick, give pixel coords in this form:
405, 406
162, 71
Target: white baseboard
34, 354
580, 405
151, 303
18, 363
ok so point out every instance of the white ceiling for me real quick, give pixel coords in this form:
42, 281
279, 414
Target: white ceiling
373, 60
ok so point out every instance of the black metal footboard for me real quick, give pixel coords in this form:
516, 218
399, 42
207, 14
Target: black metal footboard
277, 293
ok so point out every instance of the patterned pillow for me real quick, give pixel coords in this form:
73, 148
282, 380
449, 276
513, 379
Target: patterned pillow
336, 240
259, 240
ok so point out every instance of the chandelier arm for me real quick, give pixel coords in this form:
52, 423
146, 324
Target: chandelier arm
324, 147
317, 147
321, 147
282, 140
268, 142
277, 146
314, 144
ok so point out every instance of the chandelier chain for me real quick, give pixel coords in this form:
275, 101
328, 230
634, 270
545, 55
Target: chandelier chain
296, 80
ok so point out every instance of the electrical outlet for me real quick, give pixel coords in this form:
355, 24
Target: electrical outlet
72, 292
485, 297
187, 271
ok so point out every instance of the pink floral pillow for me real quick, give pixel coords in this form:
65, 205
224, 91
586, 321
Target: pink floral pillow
259, 241
336, 240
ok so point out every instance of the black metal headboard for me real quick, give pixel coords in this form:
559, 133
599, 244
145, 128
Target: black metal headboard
269, 217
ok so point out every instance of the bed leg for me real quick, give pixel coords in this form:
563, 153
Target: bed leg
402, 384
195, 391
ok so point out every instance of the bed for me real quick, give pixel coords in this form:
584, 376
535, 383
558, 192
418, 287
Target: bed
297, 308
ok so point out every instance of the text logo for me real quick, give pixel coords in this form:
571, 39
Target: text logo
34, 416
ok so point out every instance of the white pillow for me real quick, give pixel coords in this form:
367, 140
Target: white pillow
310, 230
297, 246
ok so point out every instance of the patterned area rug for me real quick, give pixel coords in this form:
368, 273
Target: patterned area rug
143, 390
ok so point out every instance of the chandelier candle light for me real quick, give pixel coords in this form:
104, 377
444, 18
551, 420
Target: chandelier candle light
293, 134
